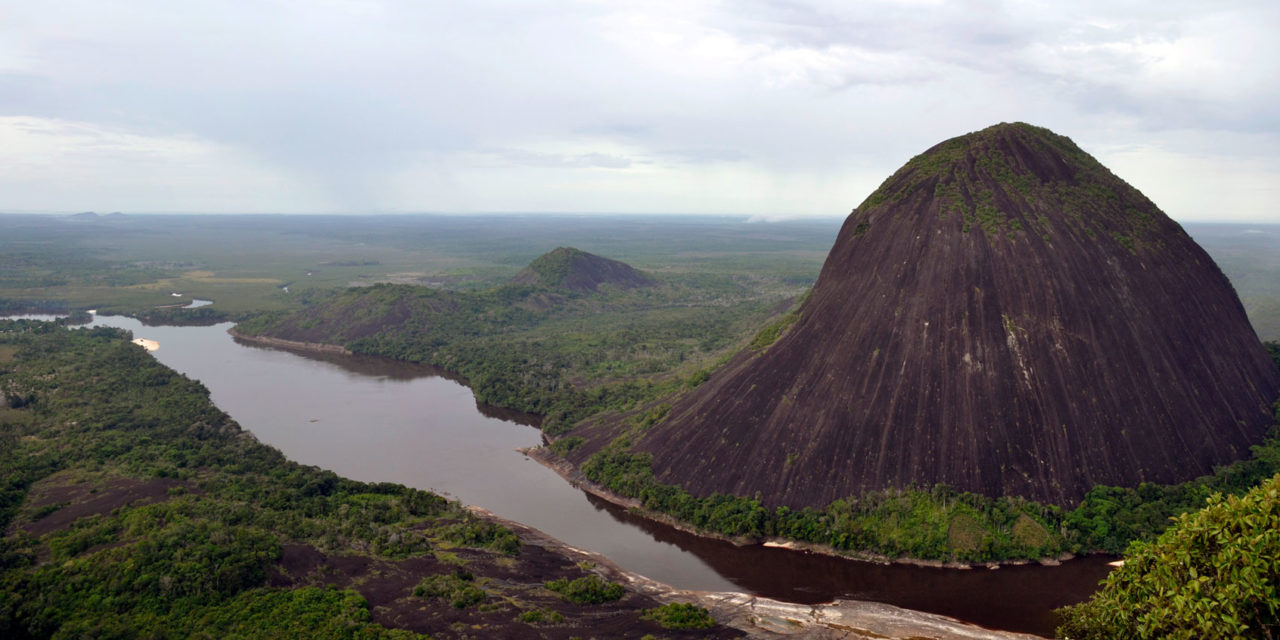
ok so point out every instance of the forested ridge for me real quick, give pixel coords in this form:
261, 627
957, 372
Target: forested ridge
557, 353
132, 507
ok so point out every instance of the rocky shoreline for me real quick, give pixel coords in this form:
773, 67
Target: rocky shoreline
575, 477
760, 617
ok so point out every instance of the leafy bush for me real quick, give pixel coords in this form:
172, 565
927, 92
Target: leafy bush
541, 616
679, 615
1214, 574
479, 533
591, 589
457, 588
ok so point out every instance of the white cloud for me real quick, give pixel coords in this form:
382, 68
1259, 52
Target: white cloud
51, 164
756, 107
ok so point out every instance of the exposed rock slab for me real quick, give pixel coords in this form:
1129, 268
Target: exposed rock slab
767, 618
1004, 315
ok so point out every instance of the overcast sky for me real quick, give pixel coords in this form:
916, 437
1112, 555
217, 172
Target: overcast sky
769, 108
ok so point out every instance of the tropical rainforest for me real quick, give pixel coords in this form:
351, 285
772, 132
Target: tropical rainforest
133, 507
129, 501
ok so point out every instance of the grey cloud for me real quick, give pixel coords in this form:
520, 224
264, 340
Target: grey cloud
704, 155
520, 157
345, 94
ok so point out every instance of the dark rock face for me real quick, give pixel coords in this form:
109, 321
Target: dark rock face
577, 270
1003, 315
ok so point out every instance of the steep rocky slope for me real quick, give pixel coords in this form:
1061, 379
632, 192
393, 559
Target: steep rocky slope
1003, 315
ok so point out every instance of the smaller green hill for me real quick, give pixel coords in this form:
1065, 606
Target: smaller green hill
577, 270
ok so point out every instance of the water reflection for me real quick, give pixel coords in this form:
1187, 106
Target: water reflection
398, 370
1018, 598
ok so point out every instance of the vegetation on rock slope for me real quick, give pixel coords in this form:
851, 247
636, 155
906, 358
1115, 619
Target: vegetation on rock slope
939, 523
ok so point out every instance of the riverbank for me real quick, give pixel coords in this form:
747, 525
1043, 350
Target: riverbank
571, 474
574, 476
317, 347
761, 617
398, 443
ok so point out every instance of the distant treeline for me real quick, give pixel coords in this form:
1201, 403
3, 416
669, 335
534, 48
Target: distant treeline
186, 317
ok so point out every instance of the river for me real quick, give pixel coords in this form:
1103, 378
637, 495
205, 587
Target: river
378, 420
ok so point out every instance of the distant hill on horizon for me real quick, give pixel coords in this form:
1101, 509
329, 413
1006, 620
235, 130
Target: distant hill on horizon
577, 270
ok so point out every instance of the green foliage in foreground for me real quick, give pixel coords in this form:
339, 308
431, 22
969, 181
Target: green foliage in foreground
589, 589
939, 523
1214, 574
99, 412
679, 615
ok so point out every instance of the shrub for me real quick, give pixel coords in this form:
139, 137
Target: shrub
540, 616
679, 615
457, 588
591, 589
1214, 573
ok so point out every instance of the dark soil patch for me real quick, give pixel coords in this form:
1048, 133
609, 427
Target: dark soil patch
92, 498
514, 586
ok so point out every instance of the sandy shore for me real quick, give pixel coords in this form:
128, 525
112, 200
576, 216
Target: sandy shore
149, 345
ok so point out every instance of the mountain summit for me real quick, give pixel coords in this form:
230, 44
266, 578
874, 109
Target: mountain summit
577, 270
1003, 315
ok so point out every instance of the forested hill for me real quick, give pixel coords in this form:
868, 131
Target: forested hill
132, 507
577, 270
549, 346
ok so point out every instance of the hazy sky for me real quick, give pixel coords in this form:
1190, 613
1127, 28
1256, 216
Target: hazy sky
771, 108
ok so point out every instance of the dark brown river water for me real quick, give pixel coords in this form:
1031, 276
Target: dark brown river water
378, 420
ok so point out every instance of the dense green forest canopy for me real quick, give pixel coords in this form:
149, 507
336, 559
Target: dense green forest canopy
132, 507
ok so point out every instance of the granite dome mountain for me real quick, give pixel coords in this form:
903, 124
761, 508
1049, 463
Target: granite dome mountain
1003, 315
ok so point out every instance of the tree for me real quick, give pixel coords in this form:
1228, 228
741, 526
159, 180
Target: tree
1215, 573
